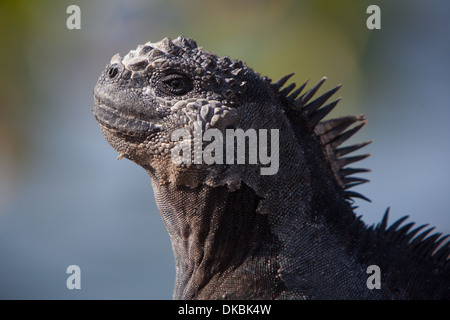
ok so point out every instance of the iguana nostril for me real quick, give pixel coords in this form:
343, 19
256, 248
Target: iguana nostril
112, 72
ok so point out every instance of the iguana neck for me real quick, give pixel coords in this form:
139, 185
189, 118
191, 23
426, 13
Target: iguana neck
217, 234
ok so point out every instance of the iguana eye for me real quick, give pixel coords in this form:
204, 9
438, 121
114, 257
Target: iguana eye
176, 84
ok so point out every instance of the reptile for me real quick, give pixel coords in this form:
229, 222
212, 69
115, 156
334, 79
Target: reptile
240, 233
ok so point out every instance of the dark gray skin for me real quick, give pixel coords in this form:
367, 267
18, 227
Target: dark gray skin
237, 234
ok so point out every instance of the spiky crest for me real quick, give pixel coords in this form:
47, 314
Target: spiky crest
424, 244
333, 133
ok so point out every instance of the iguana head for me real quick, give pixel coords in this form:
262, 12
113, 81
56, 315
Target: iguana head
159, 88
142, 98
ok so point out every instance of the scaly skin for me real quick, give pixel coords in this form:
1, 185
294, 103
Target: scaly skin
238, 234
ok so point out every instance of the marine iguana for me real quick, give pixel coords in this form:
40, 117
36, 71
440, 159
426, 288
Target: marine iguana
237, 233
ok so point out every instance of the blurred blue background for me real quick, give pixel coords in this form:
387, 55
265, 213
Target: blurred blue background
64, 199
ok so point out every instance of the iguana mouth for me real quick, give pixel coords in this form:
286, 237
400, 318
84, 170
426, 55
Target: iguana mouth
117, 122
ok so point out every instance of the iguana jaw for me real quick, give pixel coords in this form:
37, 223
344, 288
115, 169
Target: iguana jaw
120, 115
112, 120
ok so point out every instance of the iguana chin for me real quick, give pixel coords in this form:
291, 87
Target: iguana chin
238, 234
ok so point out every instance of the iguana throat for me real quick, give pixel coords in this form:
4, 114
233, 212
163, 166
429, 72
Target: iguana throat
218, 237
